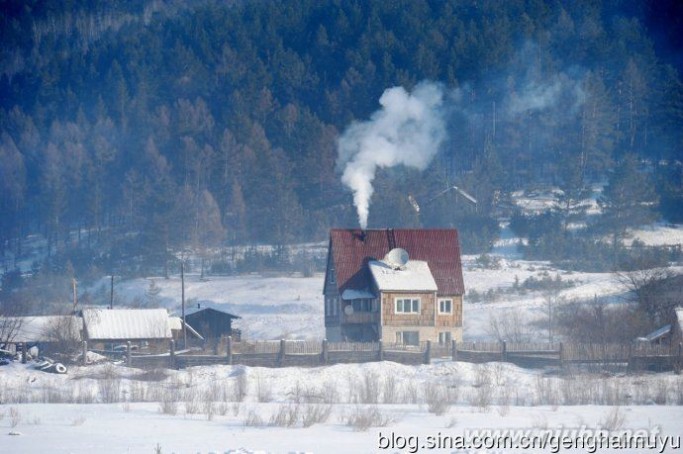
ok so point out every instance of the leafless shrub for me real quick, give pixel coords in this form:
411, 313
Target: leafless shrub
436, 397
14, 417
57, 395
411, 393
498, 372
287, 415
390, 394
452, 422
137, 392
482, 394
315, 414
253, 419
509, 326
679, 391
329, 393
546, 392
241, 387
504, 400
168, 403
367, 390
613, 420
612, 392
263, 392
364, 417
191, 399
109, 387
661, 391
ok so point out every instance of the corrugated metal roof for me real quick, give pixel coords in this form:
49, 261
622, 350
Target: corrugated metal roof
126, 324
353, 249
43, 328
414, 276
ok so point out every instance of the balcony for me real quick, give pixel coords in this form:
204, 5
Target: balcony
361, 317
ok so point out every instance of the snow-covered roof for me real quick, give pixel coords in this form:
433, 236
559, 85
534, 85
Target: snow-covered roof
351, 294
679, 317
414, 276
43, 328
125, 324
657, 334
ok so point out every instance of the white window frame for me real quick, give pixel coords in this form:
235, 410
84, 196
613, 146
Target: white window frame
401, 337
445, 337
415, 305
443, 300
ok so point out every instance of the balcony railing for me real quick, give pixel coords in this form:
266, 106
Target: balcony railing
361, 317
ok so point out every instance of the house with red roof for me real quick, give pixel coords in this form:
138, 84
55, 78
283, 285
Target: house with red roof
395, 285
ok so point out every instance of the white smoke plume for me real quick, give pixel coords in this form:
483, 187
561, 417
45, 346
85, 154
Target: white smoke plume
407, 130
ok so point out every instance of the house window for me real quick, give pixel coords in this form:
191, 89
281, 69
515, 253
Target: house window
408, 337
445, 338
407, 305
445, 306
363, 305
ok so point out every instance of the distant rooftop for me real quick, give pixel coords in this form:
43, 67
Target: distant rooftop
126, 324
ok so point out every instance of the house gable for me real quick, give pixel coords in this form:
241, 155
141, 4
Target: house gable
351, 251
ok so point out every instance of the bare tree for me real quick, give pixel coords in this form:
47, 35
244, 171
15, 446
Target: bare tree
9, 328
657, 292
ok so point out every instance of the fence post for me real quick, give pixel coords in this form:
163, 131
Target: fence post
325, 354
228, 348
380, 350
504, 353
171, 357
282, 353
129, 361
84, 350
454, 352
560, 354
23, 353
428, 353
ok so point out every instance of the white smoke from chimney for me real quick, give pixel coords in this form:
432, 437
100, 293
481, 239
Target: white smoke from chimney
408, 130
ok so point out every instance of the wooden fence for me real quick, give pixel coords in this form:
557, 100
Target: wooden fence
308, 354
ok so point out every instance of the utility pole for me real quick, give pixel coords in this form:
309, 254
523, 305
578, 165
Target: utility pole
75, 294
182, 299
111, 293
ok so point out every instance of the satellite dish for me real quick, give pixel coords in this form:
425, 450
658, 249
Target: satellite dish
397, 258
348, 310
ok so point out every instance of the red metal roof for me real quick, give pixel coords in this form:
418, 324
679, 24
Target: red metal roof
352, 249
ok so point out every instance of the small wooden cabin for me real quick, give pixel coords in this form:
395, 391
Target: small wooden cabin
395, 285
212, 324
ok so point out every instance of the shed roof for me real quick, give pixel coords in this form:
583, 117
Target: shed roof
43, 328
176, 324
414, 276
209, 311
352, 249
125, 324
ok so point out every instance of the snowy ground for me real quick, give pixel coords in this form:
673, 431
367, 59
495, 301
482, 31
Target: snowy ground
201, 410
206, 414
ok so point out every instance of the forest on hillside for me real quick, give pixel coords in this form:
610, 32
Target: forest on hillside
134, 130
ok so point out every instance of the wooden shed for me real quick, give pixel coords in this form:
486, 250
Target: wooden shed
211, 323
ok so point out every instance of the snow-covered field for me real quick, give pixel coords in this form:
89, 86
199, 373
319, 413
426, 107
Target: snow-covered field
246, 410
112, 409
